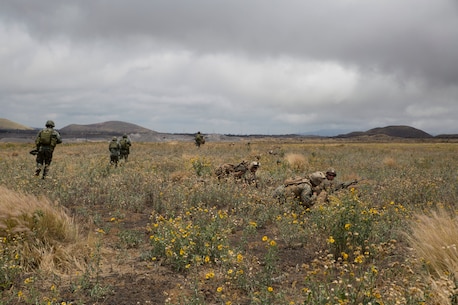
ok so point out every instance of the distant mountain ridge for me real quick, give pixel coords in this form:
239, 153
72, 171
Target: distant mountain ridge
7, 124
13, 130
398, 131
117, 127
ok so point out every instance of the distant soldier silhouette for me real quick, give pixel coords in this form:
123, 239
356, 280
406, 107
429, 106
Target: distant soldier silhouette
125, 145
199, 139
45, 142
115, 150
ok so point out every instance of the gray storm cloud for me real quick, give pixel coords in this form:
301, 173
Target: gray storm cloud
232, 66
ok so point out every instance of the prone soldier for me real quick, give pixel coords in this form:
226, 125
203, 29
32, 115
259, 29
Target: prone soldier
304, 189
243, 171
331, 185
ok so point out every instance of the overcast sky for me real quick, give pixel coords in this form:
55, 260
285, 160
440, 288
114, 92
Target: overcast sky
231, 66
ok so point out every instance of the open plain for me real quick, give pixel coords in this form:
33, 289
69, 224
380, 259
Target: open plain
162, 229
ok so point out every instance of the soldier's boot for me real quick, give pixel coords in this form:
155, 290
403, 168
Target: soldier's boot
45, 172
38, 169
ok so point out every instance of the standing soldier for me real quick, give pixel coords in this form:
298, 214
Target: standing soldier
125, 144
114, 149
45, 142
199, 139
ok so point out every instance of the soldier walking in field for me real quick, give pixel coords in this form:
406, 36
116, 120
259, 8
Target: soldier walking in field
45, 142
199, 139
125, 145
114, 149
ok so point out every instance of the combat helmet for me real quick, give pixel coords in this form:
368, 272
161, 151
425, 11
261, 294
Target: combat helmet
331, 171
254, 166
316, 178
50, 123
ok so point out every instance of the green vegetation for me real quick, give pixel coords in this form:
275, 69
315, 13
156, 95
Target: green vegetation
162, 229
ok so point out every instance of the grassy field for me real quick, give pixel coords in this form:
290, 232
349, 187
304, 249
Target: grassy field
161, 228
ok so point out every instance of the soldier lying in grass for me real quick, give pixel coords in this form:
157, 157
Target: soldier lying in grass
243, 171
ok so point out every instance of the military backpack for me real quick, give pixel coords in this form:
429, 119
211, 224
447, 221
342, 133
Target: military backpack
113, 145
124, 143
46, 136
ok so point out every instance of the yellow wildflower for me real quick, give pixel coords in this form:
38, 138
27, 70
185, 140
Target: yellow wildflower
239, 257
359, 259
209, 275
28, 280
374, 270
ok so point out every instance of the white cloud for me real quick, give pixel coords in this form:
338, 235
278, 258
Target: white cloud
229, 67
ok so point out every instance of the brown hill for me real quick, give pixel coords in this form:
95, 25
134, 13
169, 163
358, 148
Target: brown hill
112, 127
10, 125
399, 131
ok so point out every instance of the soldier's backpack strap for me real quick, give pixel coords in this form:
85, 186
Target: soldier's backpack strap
295, 181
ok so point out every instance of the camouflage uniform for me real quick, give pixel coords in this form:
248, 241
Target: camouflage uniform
331, 185
125, 145
45, 142
242, 171
305, 190
199, 139
114, 149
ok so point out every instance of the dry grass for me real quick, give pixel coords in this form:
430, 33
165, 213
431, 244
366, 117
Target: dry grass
297, 162
434, 238
389, 162
51, 240
214, 242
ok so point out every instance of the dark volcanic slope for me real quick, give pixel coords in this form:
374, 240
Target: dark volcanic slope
392, 131
115, 127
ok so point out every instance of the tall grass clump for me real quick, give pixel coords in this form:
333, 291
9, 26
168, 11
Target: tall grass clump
39, 233
297, 162
434, 238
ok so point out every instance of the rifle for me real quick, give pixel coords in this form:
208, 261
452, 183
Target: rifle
34, 152
345, 185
